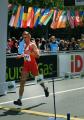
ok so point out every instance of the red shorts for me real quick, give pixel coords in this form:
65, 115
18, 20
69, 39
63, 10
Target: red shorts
30, 67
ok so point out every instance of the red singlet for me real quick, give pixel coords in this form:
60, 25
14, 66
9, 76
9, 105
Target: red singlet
30, 64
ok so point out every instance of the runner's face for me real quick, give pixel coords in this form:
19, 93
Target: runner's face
26, 38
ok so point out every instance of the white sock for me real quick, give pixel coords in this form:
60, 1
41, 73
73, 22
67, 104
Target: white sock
20, 97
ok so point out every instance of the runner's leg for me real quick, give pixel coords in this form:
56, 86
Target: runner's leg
23, 79
35, 72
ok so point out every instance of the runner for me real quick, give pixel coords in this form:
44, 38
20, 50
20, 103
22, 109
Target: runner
31, 53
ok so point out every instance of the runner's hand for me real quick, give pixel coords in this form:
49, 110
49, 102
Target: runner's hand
20, 56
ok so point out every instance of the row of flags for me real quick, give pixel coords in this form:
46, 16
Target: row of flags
23, 17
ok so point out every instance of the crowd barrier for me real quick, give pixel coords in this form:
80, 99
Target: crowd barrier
47, 66
51, 64
71, 62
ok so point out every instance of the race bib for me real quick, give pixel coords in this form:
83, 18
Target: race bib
27, 57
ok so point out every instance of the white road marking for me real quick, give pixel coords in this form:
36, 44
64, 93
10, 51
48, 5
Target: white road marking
39, 96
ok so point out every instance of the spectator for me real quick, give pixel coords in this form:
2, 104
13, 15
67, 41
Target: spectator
61, 45
53, 45
14, 45
37, 40
21, 46
43, 45
8, 49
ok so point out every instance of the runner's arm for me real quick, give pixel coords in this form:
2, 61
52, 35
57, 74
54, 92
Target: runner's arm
35, 52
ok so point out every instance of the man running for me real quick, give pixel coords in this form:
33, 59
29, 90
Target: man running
31, 53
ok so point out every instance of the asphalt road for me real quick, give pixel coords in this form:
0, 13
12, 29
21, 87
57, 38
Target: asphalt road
69, 98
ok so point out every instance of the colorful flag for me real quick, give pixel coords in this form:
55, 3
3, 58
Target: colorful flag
17, 16
30, 17
62, 20
77, 18
11, 22
15, 8
24, 18
48, 17
44, 16
54, 19
19, 23
81, 13
37, 13
54, 24
70, 16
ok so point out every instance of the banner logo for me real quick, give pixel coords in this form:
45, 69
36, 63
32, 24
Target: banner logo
76, 63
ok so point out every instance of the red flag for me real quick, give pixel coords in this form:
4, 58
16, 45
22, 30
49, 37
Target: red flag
30, 17
24, 18
77, 18
54, 24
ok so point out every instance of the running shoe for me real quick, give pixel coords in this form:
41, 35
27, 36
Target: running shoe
46, 92
18, 102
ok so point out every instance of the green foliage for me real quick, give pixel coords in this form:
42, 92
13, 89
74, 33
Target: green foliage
44, 3
39, 3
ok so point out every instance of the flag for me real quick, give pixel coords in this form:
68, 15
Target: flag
48, 17
19, 23
62, 20
70, 16
44, 16
81, 13
11, 22
32, 19
29, 16
15, 8
77, 18
56, 19
24, 18
17, 16
37, 13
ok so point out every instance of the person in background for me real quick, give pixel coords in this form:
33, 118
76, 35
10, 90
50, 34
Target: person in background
31, 53
21, 45
62, 45
12, 45
43, 46
53, 45
14, 48
8, 49
37, 41
82, 42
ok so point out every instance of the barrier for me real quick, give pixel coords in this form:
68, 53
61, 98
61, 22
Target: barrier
56, 65
46, 67
70, 62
